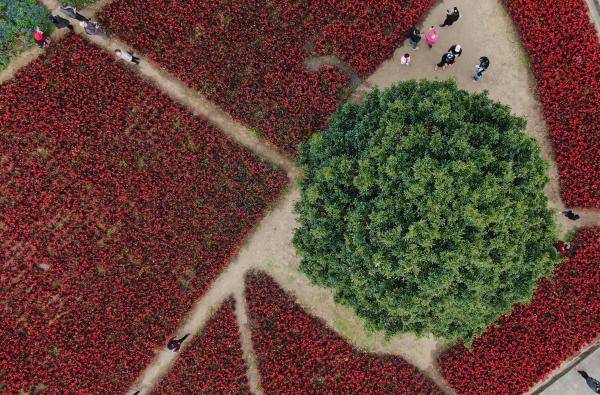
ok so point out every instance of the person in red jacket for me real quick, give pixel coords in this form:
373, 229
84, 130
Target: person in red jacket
41, 39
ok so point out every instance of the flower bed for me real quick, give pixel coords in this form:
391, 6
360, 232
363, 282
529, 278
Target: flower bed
213, 363
523, 347
248, 56
298, 354
565, 56
117, 210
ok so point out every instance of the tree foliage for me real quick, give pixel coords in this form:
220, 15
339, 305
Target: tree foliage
424, 209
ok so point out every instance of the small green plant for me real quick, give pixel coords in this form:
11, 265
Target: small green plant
189, 144
55, 352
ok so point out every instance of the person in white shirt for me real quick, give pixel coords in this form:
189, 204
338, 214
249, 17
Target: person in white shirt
405, 59
127, 56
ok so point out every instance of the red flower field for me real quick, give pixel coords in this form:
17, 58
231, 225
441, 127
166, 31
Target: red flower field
248, 55
523, 347
565, 55
117, 210
252, 63
213, 363
298, 354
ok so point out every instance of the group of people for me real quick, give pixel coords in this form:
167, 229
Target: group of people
42, 39
450, 56
91, 27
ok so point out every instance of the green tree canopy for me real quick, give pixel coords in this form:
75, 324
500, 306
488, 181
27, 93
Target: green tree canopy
424, 209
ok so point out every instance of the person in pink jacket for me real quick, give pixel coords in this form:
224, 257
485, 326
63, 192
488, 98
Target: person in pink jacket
431, 36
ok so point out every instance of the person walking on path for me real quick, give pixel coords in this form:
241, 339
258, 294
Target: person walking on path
414, 36
590, 381
127, 56
60, 22
456, 50
447, 60
570, 214
174, 344
90, 27
71, 12
451, 17
41, 39
480, 68
405, 59
431, 37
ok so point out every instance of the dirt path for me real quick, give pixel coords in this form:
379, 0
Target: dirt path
246, 339
269, 242
486, 29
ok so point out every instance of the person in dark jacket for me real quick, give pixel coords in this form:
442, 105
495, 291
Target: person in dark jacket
480, 68
571, 215
451, 17
174, 344
456, 50
414, 36
590, 381
71, 12
90, 27
60, 22
447, 59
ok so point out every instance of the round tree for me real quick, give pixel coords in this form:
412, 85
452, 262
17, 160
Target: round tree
423, 208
